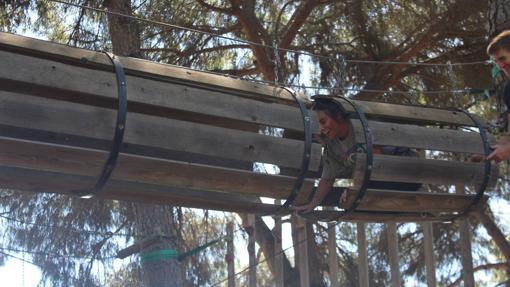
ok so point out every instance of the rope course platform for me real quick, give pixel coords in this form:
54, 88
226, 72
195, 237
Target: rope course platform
191, 138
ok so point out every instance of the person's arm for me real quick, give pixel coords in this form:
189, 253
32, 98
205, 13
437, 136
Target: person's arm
501, 150
323, 188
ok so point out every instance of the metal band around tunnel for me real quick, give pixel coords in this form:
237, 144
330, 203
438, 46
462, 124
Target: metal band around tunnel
119, 132
487, 164
306, 152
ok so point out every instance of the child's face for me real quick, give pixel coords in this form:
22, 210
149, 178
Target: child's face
332, 127
502, 58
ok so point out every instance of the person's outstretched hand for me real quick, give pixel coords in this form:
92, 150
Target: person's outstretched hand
500, 152
307, 208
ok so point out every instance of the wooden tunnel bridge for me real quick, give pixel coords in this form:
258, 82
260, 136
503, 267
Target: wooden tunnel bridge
191, 139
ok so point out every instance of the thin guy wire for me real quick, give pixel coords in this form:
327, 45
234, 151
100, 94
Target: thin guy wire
268, 46
55, 254
289, 50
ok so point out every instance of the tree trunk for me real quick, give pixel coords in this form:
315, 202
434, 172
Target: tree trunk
494, 232
265, 240
160, 269
124, 32
499, 16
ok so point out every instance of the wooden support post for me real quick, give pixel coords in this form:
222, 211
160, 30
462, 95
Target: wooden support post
428, 239
304, 269
333, 257
278, 259
230, 255
465, 248
362, 255
393, 253
251, 251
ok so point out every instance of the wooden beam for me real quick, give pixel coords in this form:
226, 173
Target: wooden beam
302, 249
279, 278
393, 253
432, 171
155, 132
48, 78
363, 271
230, 255
465, 247
410, 114
333, 256
413, 201
252, 271
373, 216
141, 68
42, 181
420, 137
134, 168
428, 242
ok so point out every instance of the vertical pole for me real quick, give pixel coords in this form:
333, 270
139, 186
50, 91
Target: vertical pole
304, 269
251, 251
278, 259
465, 248
362, 255
230, 255
428, 240
333, 257
393, 253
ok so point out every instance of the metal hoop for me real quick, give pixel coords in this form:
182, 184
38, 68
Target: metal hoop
306, 153
487, 166
370, 157
120, 126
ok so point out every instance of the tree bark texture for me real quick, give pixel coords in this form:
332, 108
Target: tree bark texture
158, 220
499, 16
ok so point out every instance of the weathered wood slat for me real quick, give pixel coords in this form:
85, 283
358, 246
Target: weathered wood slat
412, 169
401, 201
44, 181
87, 121
72, 83
362, 216
89, 162
410, 114
139, 67
429, 138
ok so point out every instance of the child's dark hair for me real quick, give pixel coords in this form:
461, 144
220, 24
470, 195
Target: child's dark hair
330, 107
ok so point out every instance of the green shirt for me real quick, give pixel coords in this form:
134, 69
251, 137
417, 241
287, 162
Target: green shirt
338, 159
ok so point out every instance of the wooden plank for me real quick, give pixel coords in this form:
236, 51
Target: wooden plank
279, 278
302, 249
252, 256
430, 265
89, 162
366, 216
139, 67
465, 247
428, 138
413, 201
178, 100
144, 130
410, 114
412, 169
43, 181
230, 255
333, 256
362, 255
393, 253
